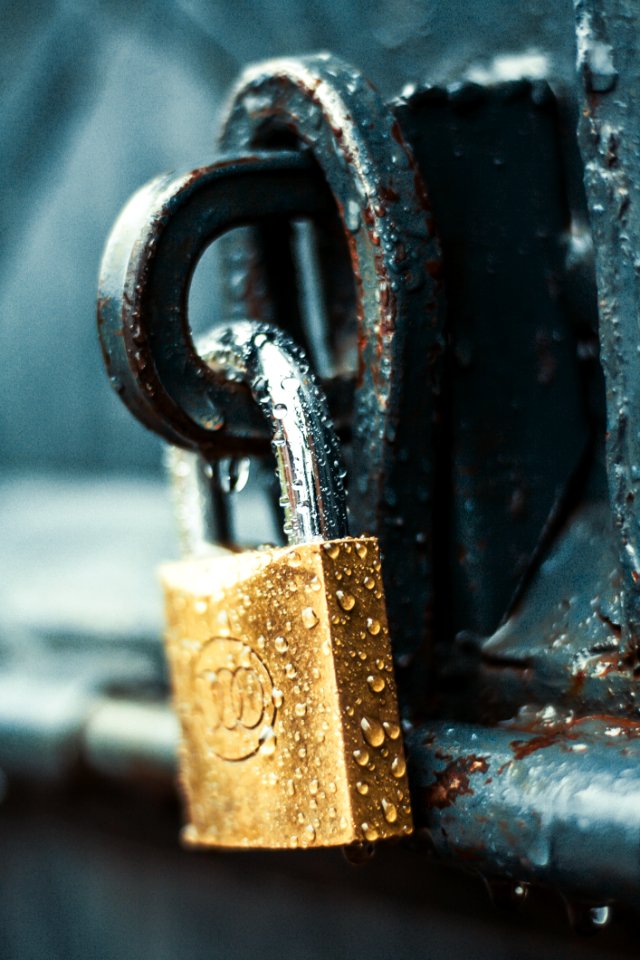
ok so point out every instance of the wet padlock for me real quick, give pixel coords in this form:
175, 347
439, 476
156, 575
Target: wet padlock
280, 657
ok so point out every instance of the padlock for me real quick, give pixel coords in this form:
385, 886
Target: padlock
280, 657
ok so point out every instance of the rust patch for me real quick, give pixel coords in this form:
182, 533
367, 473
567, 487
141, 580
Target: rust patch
453, 781
523, 748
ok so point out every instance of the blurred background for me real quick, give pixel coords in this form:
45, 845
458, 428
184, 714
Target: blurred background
97, 99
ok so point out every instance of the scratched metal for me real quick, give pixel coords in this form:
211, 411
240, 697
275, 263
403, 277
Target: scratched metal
608, 44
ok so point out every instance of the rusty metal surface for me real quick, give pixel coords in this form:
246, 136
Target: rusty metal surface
324, 105
562, 645
519, 348
144, 280
609, 138
548, 798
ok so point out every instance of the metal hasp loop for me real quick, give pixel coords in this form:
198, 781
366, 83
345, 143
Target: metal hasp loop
304, 443
609, 140
327, 107
144, 282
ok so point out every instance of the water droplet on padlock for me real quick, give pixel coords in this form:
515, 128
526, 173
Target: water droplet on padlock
309, 833
372, 731
370, 833
309, 618
369, 583
373, 626
398, 767
346, 600
361, 550
300, 709
361, 757
291, 788
376, 682
280, 411
332, 550
267, 742
281, 644
290, 671
392, 730
362, 787
390, 811
313, 787
200, 606
278, 698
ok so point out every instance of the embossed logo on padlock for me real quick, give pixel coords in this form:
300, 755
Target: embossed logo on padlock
235, 696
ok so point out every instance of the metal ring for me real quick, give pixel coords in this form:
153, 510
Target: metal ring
143, 288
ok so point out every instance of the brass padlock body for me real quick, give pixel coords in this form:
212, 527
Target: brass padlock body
284, 687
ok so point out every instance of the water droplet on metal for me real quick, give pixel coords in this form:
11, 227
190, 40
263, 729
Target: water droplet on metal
370, 833
361, 757
346, 600
373, 626
398, 767
281, 644
392, 729
332, 549
390, 811
309, 618
352, 215
376, 682
267, 742
362, 787
232, 475
373, 731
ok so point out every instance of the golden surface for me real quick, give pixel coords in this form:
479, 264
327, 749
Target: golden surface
284, 688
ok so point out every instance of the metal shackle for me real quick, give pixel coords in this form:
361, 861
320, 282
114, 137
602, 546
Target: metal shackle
304, 443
